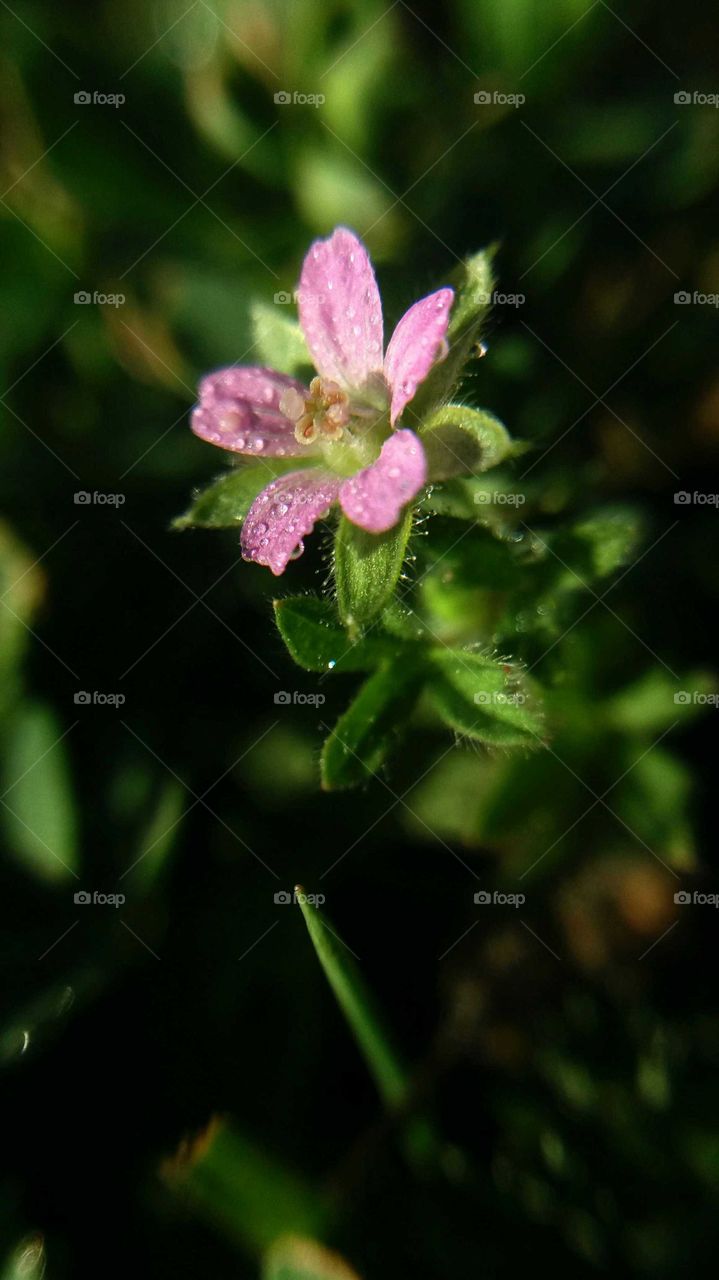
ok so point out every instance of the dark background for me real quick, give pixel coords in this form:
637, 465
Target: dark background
573, 1080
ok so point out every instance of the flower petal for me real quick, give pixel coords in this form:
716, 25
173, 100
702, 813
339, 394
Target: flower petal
341, 311
284, 513
239, 409
373, 499
415, 346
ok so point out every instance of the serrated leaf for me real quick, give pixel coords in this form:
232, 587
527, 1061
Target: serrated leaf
278, 338
37, 808
367, 567
484, 699
296, 1258
458, 440
315, 639
364, 735
225, 503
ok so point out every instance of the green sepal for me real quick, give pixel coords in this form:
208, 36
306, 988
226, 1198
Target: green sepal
473, 283
367, 567
461, 441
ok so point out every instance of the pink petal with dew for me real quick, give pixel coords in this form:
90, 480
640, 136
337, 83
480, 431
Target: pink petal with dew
341, 311
239, 409
415, 345
282, 515
374, 498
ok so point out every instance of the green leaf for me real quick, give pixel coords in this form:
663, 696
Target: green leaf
278, 339
356, 1002
367, 1026
473, 282
225, 503
317, 642
367, 567
296, 1258
604, 541
484, 699
253, 1196
458, 440
27, 1261
37, 806
653, 702
364, 735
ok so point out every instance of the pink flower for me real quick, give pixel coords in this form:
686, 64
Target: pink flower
345, 421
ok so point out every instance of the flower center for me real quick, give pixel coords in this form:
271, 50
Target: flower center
323, 414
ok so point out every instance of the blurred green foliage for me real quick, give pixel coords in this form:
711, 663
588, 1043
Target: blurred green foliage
566, 1051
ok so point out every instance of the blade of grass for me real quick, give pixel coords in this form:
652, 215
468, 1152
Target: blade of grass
366, 1023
